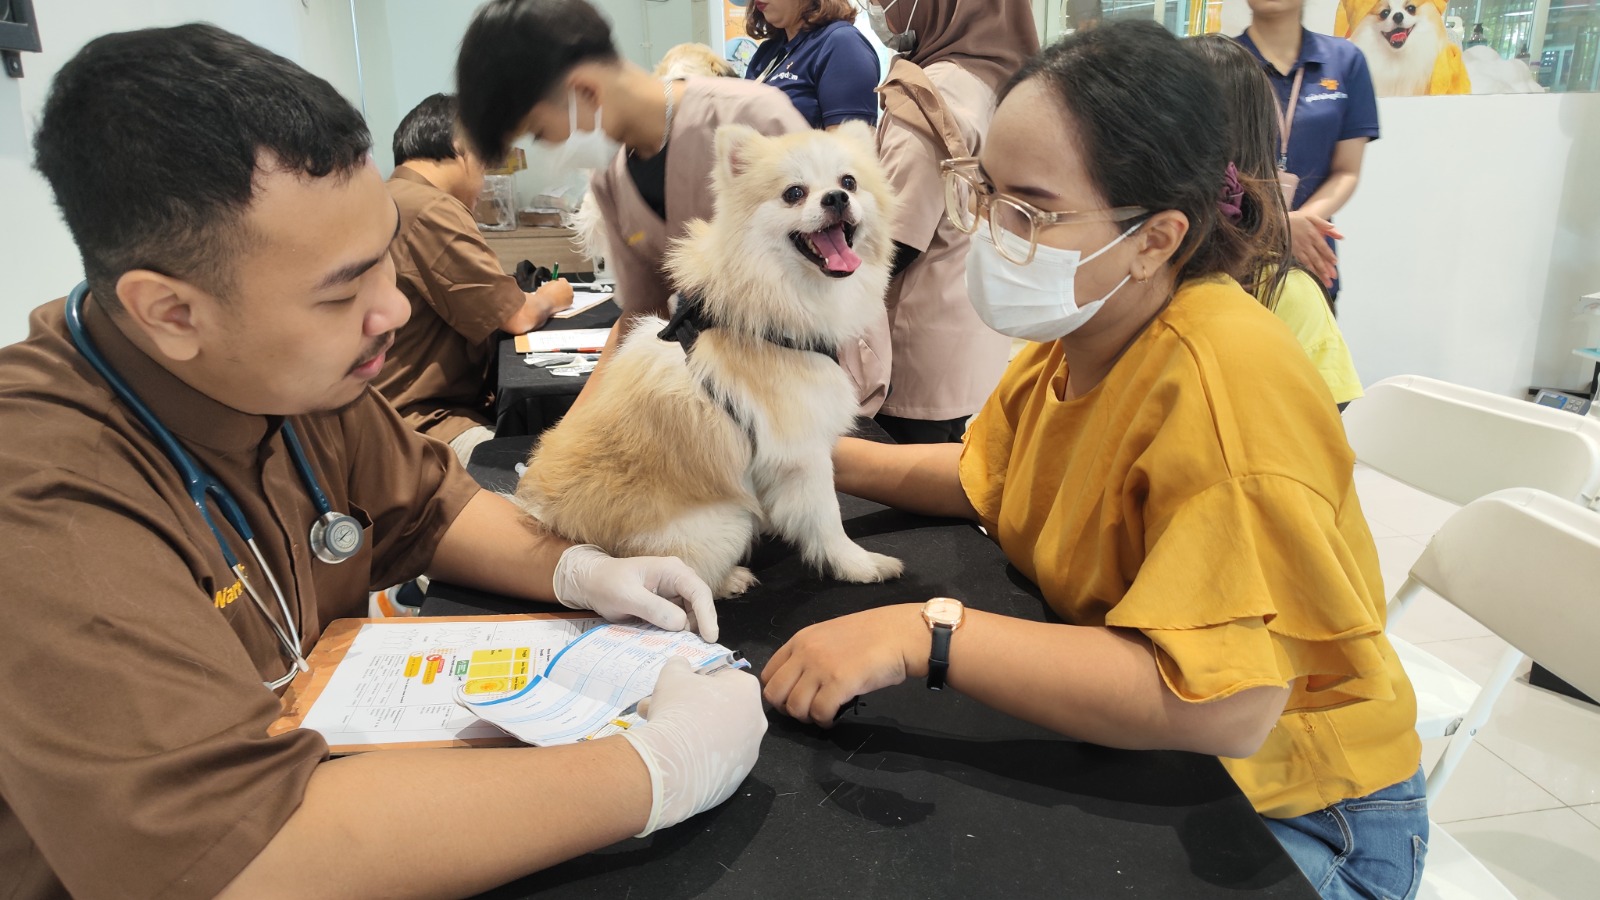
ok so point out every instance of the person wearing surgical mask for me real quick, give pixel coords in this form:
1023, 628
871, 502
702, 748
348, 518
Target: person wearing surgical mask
937, 102
549, 69
1163, 461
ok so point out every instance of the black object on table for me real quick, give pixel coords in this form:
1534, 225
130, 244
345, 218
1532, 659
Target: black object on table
529, 399
923, 794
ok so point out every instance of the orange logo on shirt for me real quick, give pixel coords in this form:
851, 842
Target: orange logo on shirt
228, 595
1330, 84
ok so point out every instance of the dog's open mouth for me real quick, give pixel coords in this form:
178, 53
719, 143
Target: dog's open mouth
1397, 37
830, 249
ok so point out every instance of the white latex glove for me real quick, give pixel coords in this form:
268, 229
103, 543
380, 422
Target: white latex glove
700, 740
661, 590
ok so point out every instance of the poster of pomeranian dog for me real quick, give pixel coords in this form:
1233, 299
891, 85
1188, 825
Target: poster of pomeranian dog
1408, 50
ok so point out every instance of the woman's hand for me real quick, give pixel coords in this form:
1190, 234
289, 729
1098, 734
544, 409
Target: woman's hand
1308, 233
826, 665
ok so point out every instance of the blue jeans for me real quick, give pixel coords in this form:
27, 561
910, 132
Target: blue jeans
1369, 847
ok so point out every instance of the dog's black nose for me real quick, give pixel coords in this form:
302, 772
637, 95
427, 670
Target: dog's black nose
835, 200
1399, 17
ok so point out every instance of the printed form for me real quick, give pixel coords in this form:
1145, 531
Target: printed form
398, 681
590, 689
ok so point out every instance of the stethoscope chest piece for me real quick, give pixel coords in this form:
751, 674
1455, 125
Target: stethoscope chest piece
335, 537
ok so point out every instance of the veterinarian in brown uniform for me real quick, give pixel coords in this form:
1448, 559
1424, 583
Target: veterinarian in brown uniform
524, 61
134, 710
437, 374
938, 100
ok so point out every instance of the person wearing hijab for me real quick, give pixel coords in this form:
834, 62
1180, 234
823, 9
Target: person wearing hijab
937, 102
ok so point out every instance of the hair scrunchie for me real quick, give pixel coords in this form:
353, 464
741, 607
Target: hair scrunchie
1231, 198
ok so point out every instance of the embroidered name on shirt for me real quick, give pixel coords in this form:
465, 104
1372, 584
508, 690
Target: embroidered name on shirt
1336, 95
783, 76
228, 595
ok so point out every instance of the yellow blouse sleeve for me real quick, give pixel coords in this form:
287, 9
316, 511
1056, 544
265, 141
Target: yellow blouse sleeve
987, 446
1250, 583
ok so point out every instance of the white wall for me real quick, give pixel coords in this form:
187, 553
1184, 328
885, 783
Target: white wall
38, 261
1475, 229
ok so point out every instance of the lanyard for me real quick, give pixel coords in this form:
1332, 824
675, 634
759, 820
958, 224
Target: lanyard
1286, 119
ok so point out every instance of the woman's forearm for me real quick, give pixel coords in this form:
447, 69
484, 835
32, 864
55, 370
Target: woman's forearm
919, 478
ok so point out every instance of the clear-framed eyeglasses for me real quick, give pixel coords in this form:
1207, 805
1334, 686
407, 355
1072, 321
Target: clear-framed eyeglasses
1013, 224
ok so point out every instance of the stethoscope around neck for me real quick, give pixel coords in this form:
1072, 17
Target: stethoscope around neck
335, 537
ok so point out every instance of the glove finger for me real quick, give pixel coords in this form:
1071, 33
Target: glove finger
638, 600
696, 596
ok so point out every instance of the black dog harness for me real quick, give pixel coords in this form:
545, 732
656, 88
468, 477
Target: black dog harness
685, 328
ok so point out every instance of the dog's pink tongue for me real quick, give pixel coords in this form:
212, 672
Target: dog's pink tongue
835, 252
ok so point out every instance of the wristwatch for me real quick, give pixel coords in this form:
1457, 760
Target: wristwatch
943, 616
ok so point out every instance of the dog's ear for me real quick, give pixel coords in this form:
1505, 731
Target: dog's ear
733, 150
860, 133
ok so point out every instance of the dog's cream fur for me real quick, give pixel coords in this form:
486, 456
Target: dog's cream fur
651, 464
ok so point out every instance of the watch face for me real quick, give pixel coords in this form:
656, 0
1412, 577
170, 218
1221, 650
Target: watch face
942, 611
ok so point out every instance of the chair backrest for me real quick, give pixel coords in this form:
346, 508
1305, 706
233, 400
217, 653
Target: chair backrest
1460, 443
1526, 565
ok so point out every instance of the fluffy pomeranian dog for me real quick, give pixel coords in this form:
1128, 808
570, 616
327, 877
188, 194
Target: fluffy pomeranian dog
708, 429
1407, 48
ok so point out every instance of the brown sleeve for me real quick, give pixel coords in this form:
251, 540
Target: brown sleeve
911, 160
134, 750
461, 275
640, 288
412, 487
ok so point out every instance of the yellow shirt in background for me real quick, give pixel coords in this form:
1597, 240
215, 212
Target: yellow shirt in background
1303, 307
1202, 494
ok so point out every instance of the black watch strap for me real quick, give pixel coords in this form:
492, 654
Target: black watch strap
939, 657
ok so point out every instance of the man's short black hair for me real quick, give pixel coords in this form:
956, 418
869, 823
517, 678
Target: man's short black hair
515, 54
428, 131
151, 141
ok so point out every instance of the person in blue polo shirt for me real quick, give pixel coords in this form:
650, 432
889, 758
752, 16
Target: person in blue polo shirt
1329, 114
812, 51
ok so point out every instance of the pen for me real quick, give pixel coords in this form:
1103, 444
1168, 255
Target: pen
556, 272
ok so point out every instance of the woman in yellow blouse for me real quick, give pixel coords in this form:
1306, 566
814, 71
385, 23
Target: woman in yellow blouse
1164, 463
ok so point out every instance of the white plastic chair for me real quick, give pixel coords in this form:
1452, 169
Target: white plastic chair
1526, 565
1458, 444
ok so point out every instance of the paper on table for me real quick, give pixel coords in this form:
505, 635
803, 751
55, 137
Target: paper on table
547, 341
589, 689
581, 301
397, 682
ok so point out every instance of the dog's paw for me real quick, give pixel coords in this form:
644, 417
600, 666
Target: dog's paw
737, 582
863, 567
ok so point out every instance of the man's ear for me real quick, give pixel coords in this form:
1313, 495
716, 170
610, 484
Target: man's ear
170, 312
1161, 235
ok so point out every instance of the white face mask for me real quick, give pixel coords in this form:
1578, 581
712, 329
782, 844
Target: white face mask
899, 42
582, 149
1033, 302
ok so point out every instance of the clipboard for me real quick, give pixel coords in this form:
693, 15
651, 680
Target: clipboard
330, 650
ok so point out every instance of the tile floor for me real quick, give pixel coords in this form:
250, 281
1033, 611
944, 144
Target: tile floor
1526, 798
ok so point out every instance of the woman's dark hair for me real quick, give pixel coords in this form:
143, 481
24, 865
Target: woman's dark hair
428, 131
818, 13
1152, 130
1253, 145
151, 141
514, 55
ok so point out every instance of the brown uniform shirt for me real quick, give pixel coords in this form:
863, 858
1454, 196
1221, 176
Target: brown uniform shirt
437, 371
134, 756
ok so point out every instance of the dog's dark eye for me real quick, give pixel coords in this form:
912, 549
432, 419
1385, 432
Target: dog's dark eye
1412, 10
1384, 14
848, 182
794, 194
